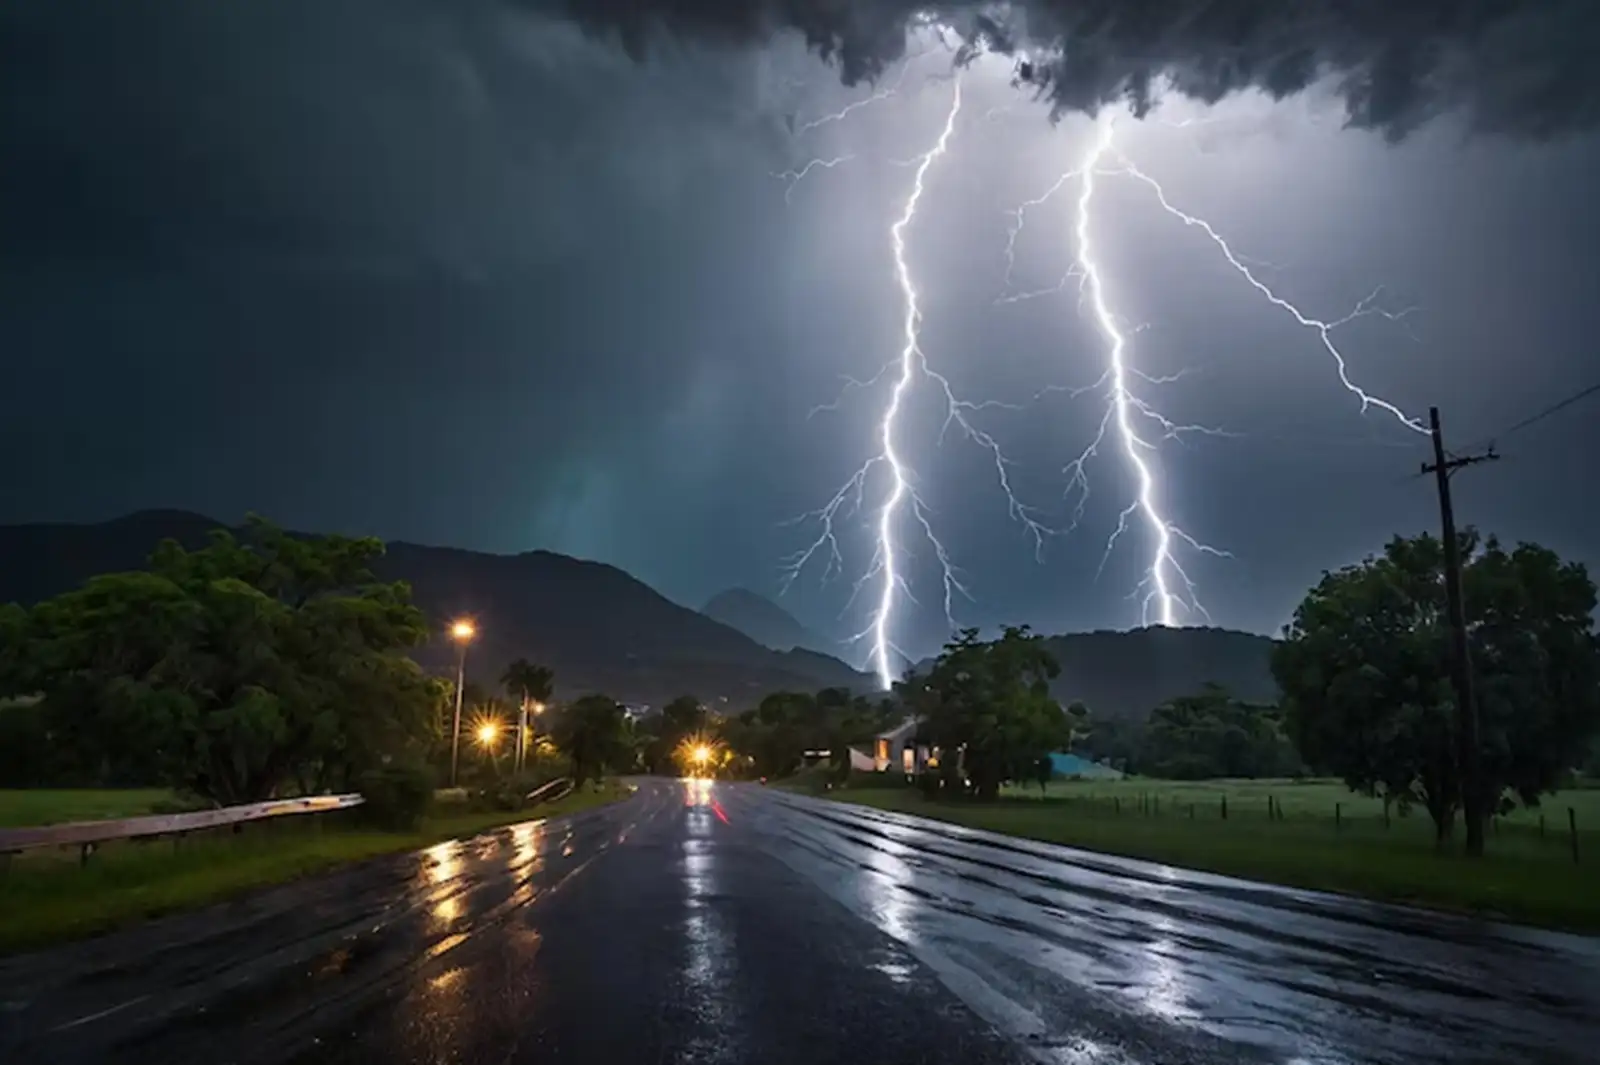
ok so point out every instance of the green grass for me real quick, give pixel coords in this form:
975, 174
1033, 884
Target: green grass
54, 806
1524, 877
45, 897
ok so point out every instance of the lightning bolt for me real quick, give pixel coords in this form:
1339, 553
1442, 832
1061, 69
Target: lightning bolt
1164, 566
1169, 593
792, 178
1323, 329
886, 564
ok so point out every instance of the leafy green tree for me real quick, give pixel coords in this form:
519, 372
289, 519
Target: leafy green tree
1079, 722
236, 669
1365, 670
683, 716
1118, 743
991, 703
658, 737
593, 733
13, 636
1211, 734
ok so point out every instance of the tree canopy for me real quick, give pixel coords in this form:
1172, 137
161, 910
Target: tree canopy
1210, 734
1365, 671
991, 702
234, 669
593, 733
528, 683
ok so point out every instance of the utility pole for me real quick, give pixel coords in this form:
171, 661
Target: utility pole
1467, 770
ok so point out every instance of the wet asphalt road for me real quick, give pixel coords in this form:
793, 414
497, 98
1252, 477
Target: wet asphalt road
723, 923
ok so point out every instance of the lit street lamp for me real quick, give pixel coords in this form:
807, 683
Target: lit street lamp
462, 633
527, 728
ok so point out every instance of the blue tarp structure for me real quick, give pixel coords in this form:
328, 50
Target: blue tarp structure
1072, 765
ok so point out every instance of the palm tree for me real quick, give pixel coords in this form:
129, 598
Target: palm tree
532, 687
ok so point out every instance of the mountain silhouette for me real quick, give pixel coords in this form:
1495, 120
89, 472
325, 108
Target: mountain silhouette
1126, 674
763, 621
597, 627
603, 630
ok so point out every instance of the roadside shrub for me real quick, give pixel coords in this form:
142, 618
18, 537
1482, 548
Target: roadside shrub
889, 779
816, 779
398, 796
929, 783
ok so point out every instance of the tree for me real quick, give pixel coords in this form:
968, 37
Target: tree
991, 703
529, 685
235, 669
1364, 668
683, 716
1211, 734
593, 733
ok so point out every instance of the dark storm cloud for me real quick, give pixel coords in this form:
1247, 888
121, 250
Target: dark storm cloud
1521, 67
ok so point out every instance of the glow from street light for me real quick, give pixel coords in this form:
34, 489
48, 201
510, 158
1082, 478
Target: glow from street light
488, 732
701, 754
463, 630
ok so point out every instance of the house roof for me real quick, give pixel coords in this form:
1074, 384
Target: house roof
901, 731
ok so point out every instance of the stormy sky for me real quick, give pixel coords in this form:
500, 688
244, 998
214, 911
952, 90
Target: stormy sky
516, 275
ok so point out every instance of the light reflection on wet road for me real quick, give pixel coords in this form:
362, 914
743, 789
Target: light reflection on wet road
698, 923
1126, 960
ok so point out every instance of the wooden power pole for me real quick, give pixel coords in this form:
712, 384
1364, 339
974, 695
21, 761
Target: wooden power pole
1467, 751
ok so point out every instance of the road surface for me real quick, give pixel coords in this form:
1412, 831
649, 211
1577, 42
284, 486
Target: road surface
730, 923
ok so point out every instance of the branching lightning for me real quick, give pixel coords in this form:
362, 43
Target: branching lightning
792, 178
1168, 591
886, 566
1120, 414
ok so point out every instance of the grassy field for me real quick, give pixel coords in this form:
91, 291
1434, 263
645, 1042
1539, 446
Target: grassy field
1526, 876
52, 807
46, 897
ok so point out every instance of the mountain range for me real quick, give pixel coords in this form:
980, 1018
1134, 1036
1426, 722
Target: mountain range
763, 621
597, 627
601, 629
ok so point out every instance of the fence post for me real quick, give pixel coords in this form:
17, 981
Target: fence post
1191, 811
1338, 816
1157, 808
88, 848
1572, 830
1224, 807
1270, 815
1116, 805
1385, 813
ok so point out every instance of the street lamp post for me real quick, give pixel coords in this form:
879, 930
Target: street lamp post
524, 735
462, 632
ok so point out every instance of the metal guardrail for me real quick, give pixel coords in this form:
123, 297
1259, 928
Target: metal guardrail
88, 833
550, 790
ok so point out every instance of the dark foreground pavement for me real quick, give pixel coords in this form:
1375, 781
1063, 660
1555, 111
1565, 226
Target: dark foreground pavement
734, 924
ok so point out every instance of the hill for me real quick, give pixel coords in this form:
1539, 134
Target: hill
762, 620
597, 627
1128, 674
1125, 675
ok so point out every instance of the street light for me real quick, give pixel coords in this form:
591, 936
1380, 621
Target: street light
701, 754
487, 733
527, 729
461, 631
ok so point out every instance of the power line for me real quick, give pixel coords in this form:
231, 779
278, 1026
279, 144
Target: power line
1554, 408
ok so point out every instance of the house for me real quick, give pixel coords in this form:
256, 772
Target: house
897, 749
